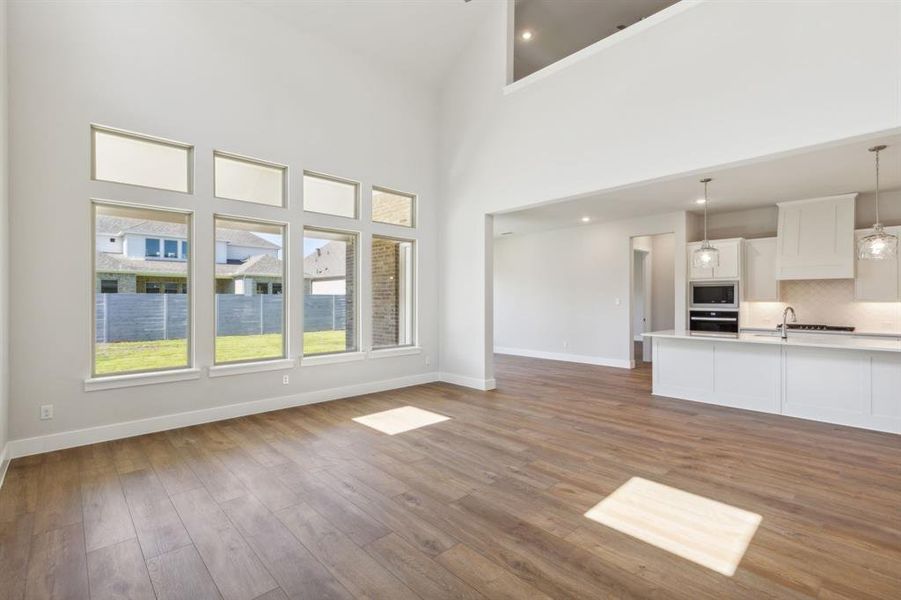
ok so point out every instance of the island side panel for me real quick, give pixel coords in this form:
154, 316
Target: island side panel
725, 373
848, 387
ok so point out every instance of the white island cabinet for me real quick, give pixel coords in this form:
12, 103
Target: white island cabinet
849, 380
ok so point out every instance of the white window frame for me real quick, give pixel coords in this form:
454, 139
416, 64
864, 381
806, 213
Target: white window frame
189, 148
358, 297
408, 317
253, 161
286, 294
129, 376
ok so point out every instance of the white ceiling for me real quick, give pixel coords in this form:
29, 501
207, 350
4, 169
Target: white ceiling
418, 38
561, 27
826, 171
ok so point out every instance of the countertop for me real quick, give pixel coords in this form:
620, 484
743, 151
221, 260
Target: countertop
795, 338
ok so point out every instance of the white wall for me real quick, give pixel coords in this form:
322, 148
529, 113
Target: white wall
718, 83
572, 286
219, 76
4, 241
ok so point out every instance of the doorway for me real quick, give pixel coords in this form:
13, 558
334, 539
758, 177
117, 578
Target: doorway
652, 290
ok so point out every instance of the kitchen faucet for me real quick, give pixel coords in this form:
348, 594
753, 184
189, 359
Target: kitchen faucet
784, 327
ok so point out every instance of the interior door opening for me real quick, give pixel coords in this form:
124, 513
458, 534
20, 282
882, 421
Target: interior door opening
652, 291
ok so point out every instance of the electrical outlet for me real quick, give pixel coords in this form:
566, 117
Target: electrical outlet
46, 412
286, 379
428, 360
565, 345
617, 301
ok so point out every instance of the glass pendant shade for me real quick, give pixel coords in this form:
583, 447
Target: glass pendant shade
705, 257
879, 245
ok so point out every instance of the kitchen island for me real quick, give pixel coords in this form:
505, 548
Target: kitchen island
849, 380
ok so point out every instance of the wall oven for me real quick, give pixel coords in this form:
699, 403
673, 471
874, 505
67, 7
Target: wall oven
714, 295
713, 322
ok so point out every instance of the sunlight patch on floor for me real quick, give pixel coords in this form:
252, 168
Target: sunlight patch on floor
704, 531
399, 420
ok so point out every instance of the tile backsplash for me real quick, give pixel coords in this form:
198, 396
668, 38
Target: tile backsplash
825, 301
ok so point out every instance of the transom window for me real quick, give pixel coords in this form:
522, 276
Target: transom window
135, 159
248, 179
393, 208
330, 195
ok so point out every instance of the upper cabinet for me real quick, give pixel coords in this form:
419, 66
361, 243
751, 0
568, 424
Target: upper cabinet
759, 282
878, 280
730, 261
815, 238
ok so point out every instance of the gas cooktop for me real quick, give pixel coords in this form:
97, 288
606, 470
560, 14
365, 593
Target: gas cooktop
815, 327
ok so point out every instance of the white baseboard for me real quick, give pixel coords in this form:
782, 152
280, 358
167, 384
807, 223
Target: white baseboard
470, 382
565, 357
105, 433
4, 462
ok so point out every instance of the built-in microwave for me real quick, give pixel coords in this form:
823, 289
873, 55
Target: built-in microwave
713, 294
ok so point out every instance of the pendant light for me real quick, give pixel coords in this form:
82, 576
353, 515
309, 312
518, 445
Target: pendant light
706, 256
879, 245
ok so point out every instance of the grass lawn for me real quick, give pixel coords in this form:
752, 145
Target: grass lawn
121, 357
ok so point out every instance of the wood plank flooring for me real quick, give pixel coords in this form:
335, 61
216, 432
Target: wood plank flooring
305, 503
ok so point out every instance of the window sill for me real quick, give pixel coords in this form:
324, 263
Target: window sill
329, 359
94, 384
251, 367
399, 351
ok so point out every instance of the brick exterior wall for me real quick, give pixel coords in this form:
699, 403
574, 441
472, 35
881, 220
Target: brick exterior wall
127, 284
350, 306
385, 280
142, 282
392, 208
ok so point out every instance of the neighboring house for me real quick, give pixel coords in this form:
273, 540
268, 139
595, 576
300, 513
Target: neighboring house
136, 255
324, 269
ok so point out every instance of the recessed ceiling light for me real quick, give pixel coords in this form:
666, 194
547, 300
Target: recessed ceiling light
586, 219
700, 201
526, 35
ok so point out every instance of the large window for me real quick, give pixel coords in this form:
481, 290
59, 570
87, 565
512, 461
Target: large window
136, 326
330, 195
239, 178
330, 296
123, 157
393, 208
250, 320
393, 295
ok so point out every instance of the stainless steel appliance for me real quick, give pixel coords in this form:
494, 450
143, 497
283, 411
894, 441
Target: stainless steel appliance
713, 295
713, 322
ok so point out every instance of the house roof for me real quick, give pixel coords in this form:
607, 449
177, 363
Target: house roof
326, 262
117, 226
262, 265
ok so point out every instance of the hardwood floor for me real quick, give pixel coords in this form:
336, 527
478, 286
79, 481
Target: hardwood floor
305, 503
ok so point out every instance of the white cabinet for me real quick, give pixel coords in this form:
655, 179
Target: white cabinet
730, 261
878, 280
759, 282
816, 238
